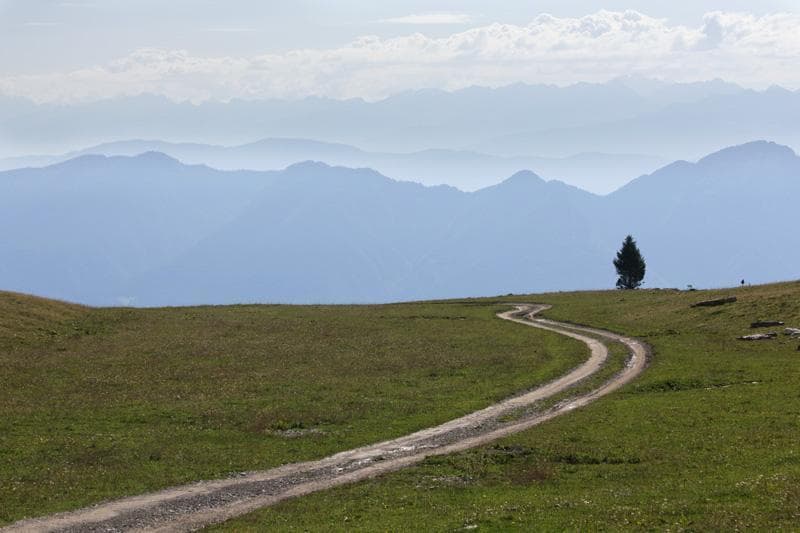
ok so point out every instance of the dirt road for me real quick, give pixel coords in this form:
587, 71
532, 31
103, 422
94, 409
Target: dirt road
193, 506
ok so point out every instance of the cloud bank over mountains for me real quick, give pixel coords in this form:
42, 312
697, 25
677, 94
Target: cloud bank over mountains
755, 51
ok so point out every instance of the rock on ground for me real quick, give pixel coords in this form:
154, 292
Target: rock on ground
759, 337
718, 301
766, 324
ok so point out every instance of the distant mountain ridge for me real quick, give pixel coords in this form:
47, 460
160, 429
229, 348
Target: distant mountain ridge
686, 130
628, 115
150, 230
466, 170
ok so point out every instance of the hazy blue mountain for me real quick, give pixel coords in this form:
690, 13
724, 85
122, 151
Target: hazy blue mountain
731, 216
107, 229
407, 122
662, 93
356, 236
80, 230
466, 170
316, 234
523, 232
684, 130
470, 170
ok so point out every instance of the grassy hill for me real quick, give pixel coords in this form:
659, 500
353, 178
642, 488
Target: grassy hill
706, 439
99, 403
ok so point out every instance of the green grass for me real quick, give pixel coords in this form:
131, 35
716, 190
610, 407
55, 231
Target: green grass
707, 439
101, 403
618, 355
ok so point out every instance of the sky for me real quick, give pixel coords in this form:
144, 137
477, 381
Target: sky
83, 50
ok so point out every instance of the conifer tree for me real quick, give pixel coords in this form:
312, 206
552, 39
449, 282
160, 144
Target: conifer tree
630, 265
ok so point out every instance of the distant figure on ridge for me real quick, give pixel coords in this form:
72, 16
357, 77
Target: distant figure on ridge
630, 265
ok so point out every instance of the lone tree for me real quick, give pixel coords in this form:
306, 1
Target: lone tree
630, 265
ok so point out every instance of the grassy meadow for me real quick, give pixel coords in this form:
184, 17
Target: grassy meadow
101, 403
707, 439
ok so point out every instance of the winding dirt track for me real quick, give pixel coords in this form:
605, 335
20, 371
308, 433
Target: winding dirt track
193, 506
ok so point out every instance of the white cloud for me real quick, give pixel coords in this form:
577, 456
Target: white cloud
430, 18
754, 51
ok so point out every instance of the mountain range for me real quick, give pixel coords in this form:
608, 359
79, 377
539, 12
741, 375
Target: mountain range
629, 115
150, 230
466, 170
